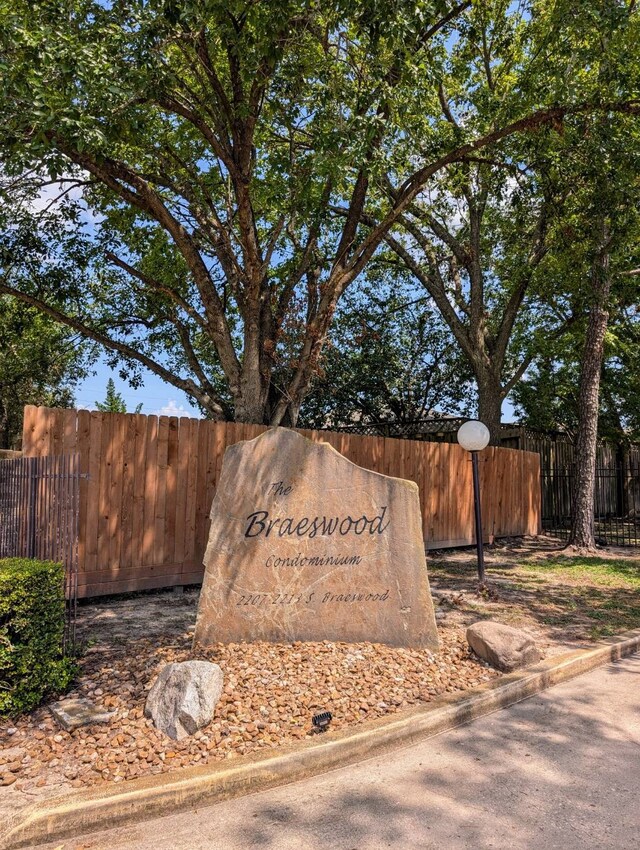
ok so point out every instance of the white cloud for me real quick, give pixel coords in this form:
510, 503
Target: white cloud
172, 408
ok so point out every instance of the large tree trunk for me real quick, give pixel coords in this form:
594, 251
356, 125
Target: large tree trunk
250, 405
259, 399
582, 524
490, 406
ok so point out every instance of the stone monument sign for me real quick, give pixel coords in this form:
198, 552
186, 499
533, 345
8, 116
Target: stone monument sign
305, 545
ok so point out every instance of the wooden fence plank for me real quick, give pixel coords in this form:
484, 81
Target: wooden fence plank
83, 447
211, 473
116, 485
218, 448
161, 489
56, 432
184, 446
128, 479
172, 491
139, 484
150, 485
191, 483
104, 486
201, 490
29, 423
93, 493
69, 432
41, 434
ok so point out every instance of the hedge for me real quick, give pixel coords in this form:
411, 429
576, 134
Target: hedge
32, 666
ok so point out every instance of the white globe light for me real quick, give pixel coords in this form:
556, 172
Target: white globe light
473, 435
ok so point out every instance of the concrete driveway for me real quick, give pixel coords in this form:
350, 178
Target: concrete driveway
560, 770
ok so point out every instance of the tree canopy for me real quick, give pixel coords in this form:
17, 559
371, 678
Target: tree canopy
41, 363
231, 168
389, 358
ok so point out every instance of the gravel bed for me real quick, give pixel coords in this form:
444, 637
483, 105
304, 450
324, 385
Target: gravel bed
270, 693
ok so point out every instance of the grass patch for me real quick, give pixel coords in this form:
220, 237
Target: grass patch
601, 572
604, 593
582, 596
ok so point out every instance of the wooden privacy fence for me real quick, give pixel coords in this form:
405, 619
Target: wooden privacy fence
147, 484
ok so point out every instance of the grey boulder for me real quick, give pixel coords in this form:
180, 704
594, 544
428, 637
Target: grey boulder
502, 646
183, 697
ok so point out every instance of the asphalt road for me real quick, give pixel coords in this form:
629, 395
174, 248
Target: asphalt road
559, 770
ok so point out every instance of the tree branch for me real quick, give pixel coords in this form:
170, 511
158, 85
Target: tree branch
185, 384
512, 307
140, 194
152, 283
522, 368
414, 184
439, 295
433, 30
444, 103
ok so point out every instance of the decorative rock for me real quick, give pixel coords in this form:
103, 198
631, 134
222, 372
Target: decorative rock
305, 546
74, 712
502, 646
183, 697
290, 683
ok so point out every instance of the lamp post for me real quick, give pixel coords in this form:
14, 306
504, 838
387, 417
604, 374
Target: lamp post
474, 436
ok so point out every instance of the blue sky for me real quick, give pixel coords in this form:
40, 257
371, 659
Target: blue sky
155, 395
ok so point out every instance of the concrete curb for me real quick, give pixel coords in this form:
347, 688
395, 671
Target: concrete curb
141, 799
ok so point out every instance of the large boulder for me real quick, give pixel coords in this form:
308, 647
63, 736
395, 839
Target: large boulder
502, 646
183, 697
306, 546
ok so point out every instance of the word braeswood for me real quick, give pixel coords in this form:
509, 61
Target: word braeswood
259, 522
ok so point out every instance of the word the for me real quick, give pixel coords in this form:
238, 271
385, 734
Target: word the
279, 488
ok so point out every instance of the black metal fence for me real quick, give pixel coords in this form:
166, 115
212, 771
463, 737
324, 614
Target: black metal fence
432, 429
39, 513
616, 503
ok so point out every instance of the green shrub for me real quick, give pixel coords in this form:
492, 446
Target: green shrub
31, 630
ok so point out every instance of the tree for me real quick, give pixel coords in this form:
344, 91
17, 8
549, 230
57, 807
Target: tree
615, 214
588, 384
389, 359
595, 250
476, 249
478, 239
607, 202
40, 363
114, 403
547, 397
582, 521
211, 141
